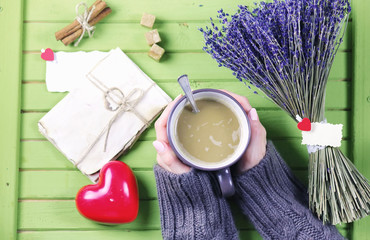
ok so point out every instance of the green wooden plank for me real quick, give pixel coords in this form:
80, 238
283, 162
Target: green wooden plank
110, 235
118, 234
46, 215
37, 98
199, 66
48, 184
131, 11
42, 155
62, 214
176, 37
361, 102
277, 122
90, 234
10, 78
65, 184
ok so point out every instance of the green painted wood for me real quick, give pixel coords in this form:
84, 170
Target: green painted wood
46, 100
46, 215
176, 37
277, 122
199, 66
65, 184
10, 79
117, 234
91, 235
41, 155
131, 11
110, 235
62, 214
361, 102
46, 174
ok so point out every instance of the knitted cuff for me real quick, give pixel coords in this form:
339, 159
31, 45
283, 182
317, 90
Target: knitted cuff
277, 203
190, 207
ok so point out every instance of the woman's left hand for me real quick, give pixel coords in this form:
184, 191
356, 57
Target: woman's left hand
166, 157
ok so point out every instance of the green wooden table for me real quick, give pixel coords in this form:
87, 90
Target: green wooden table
38, 185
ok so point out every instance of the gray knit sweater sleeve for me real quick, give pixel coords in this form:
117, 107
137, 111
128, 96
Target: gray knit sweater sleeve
191, 208
277, 204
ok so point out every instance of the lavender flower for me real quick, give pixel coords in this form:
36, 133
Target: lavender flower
285, 48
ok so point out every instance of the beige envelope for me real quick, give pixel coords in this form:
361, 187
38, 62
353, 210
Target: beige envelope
98, 121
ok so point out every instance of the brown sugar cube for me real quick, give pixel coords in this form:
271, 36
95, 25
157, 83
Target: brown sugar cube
152, 37
147, 20
156, 52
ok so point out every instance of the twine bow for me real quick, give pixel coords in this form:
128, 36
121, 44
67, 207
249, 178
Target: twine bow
116, 101
84, 19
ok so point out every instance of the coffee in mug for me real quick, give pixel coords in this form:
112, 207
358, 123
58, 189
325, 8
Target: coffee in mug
211, 135
213, 139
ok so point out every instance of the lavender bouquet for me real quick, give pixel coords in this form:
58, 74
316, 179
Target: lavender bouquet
286, 49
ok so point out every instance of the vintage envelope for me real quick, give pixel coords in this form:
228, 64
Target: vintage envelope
102, 118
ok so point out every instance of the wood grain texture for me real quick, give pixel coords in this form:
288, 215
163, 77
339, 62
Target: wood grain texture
199, 66
10, 79
176, 37
48, 182
51, 214
142, 155
277, 122
36, 98
361, 103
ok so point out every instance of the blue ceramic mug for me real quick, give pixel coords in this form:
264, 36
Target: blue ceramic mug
221, 168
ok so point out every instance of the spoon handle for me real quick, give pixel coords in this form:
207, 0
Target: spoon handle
184, 83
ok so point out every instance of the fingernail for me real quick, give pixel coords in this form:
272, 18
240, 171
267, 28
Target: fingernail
158, 146
253, 114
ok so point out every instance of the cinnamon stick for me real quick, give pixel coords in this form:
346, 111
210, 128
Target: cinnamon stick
75, 25
69, 39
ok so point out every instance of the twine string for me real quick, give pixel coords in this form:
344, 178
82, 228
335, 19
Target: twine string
84, 19
124, 104
116, 101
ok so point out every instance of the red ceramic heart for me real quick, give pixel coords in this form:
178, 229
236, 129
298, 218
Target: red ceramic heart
114, 199
48, 55
304, 125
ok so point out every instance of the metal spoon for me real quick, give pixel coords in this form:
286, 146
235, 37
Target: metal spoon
184, 83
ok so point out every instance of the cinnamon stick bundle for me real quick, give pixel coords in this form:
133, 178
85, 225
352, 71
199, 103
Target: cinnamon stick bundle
74, 30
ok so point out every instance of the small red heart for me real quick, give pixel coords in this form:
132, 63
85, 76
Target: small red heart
114, 199
304, 125
48, 55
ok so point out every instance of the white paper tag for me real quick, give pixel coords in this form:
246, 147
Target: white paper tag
323, 134
68, 70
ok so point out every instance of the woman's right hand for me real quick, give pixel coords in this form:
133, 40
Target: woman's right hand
256, 149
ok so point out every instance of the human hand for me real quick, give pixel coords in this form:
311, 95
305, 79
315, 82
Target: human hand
256, 149
166, 157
